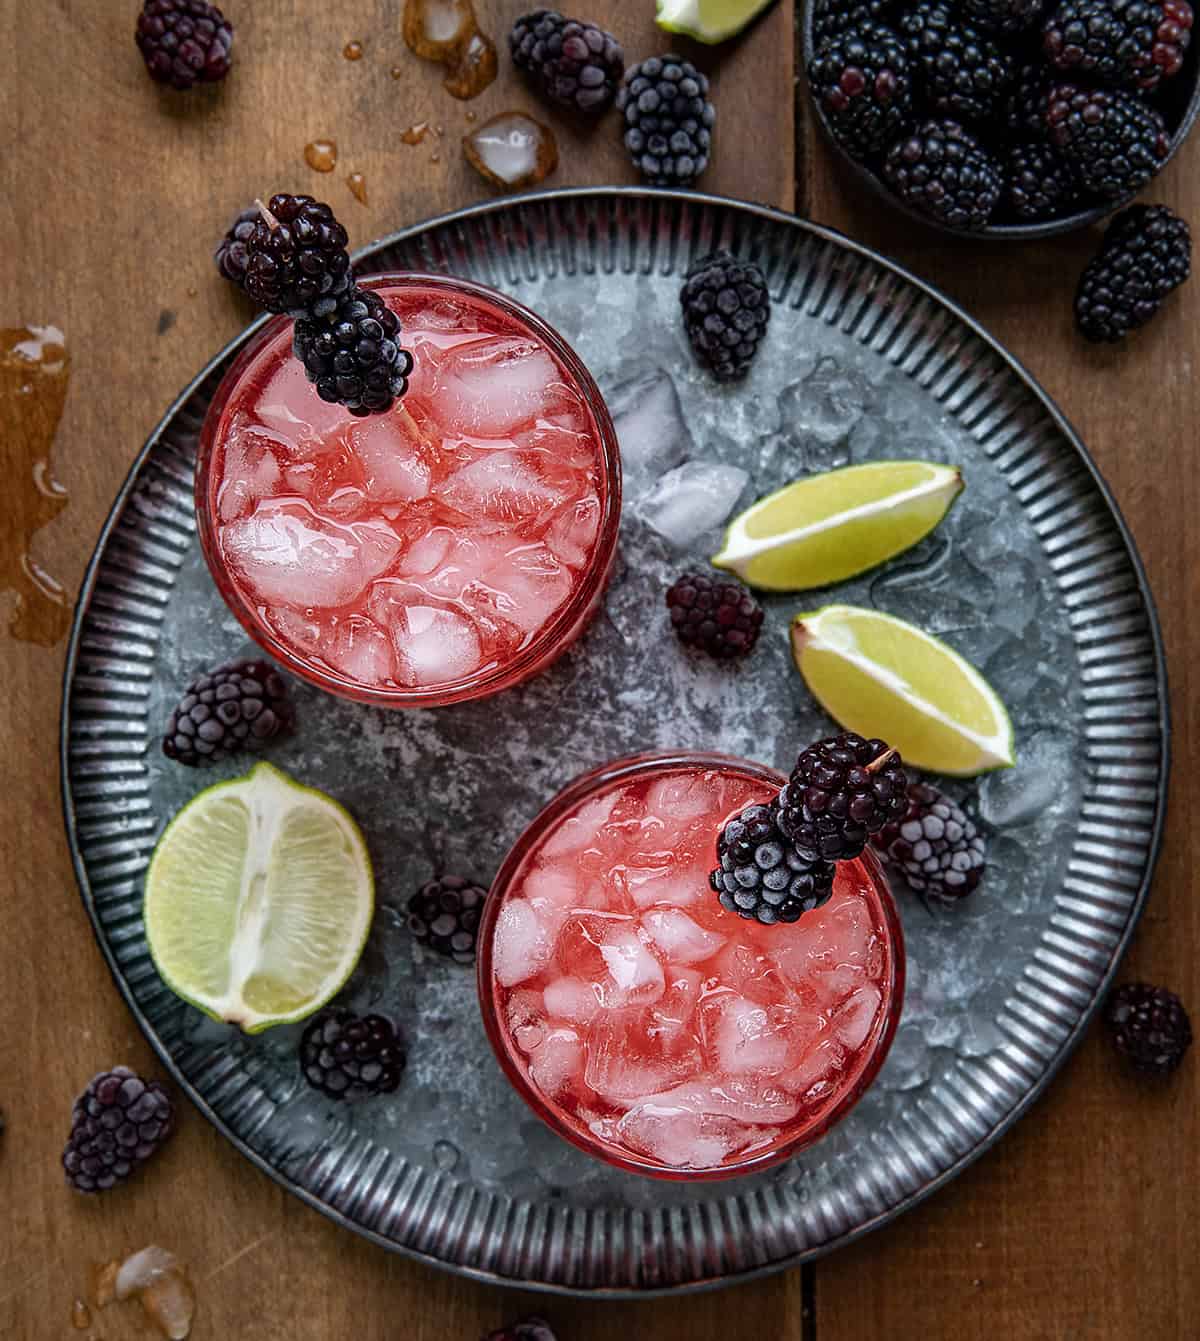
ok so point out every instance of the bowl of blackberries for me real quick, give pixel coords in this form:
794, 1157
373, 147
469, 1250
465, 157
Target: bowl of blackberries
1009, 119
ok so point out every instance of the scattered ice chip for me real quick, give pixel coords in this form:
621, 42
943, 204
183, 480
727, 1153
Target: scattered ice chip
287, 555
822, 410
854, 1020
558, 1061
392, 464
495, 385
682, 940
1042, 778
651, 429
908, 1060
360, 651
435, 646
521, 948
250, 473
571, 999
501, 486
692, 499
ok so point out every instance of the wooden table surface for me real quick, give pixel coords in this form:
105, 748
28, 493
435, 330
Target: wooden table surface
1082, 1223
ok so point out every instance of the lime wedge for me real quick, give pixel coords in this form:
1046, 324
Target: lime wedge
258, 901
708, 20
826, 528
879, 676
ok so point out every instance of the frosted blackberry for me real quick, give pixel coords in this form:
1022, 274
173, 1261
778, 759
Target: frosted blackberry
184, 42
1040, 185
963, 71
118, 1123
1111, 141
1146, 253
1005, 16
353, 355
934, 845
942, 171
349, 1057
240, 706
668, 120
862, 80
571, 63
762, 875
444, 914
842, 790
293, 259
726, 308
1150, 1027
1133, 44
714, 615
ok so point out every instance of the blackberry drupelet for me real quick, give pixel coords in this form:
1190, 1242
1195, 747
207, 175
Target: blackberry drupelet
1133, 44
353, 353
1150, 1027
934, 845
942, 171
1025, 106
569, 62
963, 72
1111, 141
862, 79
831, 18
668, 120
184, 42
527, 1329
296, 260
715, 615
1146, 252
349, 1057
762, 875
444, 914
1005, 16
726, 308
1040, 185
232, 256
118, 1122
842, 790
238, 706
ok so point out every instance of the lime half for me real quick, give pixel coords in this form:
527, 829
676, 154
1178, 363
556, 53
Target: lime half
879, 676
258, 901
826, 528
708, 20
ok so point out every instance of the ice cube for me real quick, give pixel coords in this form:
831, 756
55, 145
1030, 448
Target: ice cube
493, 386
427, 553
524, 585
554, 885
500, 486
298, 630
681, 796
360, 650
691, 500
671, 1020
557, 1061
582, 829
573, 532
526, 1019
853, 1021
648, 885
522, 947
679, 1139
617, 1071
392, 464
1040, 782
289, 404
287, 555
743, 1036
744, 1098
434, 646
651, 429
571, 999
834, 985
635, 975
812, 1078
822, 410
679, 938
512, 150
249, 473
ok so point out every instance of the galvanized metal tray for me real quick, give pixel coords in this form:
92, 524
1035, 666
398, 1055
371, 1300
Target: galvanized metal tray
1033, 576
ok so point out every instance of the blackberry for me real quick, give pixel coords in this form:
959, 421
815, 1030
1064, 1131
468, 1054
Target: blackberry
1005, 16
1149, 1026
762, 875
1111, 141
726, 307
118, 1122
444, 914
184, 42
831, 18
1025, 106
934, 845
862, 80
239, 706
842, 790
571, 63
349, 1057
1132, 44
296, 260
1146, 252
353, 353
527, 1329
715, 615
668, 120
943, 172
963, 71
232, 255
1040, 185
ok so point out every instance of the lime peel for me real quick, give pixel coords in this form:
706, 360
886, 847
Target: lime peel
709, 21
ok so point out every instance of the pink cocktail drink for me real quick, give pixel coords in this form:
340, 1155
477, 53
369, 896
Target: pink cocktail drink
647, 1024
441, 551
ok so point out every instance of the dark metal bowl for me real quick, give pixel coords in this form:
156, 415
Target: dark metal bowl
1180, 106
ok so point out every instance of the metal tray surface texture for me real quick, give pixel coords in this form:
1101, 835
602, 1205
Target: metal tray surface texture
1032, 576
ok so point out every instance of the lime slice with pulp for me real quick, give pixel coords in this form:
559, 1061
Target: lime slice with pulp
879, 676
258, 901
708, 20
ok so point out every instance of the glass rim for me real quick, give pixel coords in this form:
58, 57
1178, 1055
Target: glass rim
604, 776
552, 639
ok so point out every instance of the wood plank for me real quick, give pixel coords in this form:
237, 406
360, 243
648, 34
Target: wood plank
1082, 1222
115, 193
